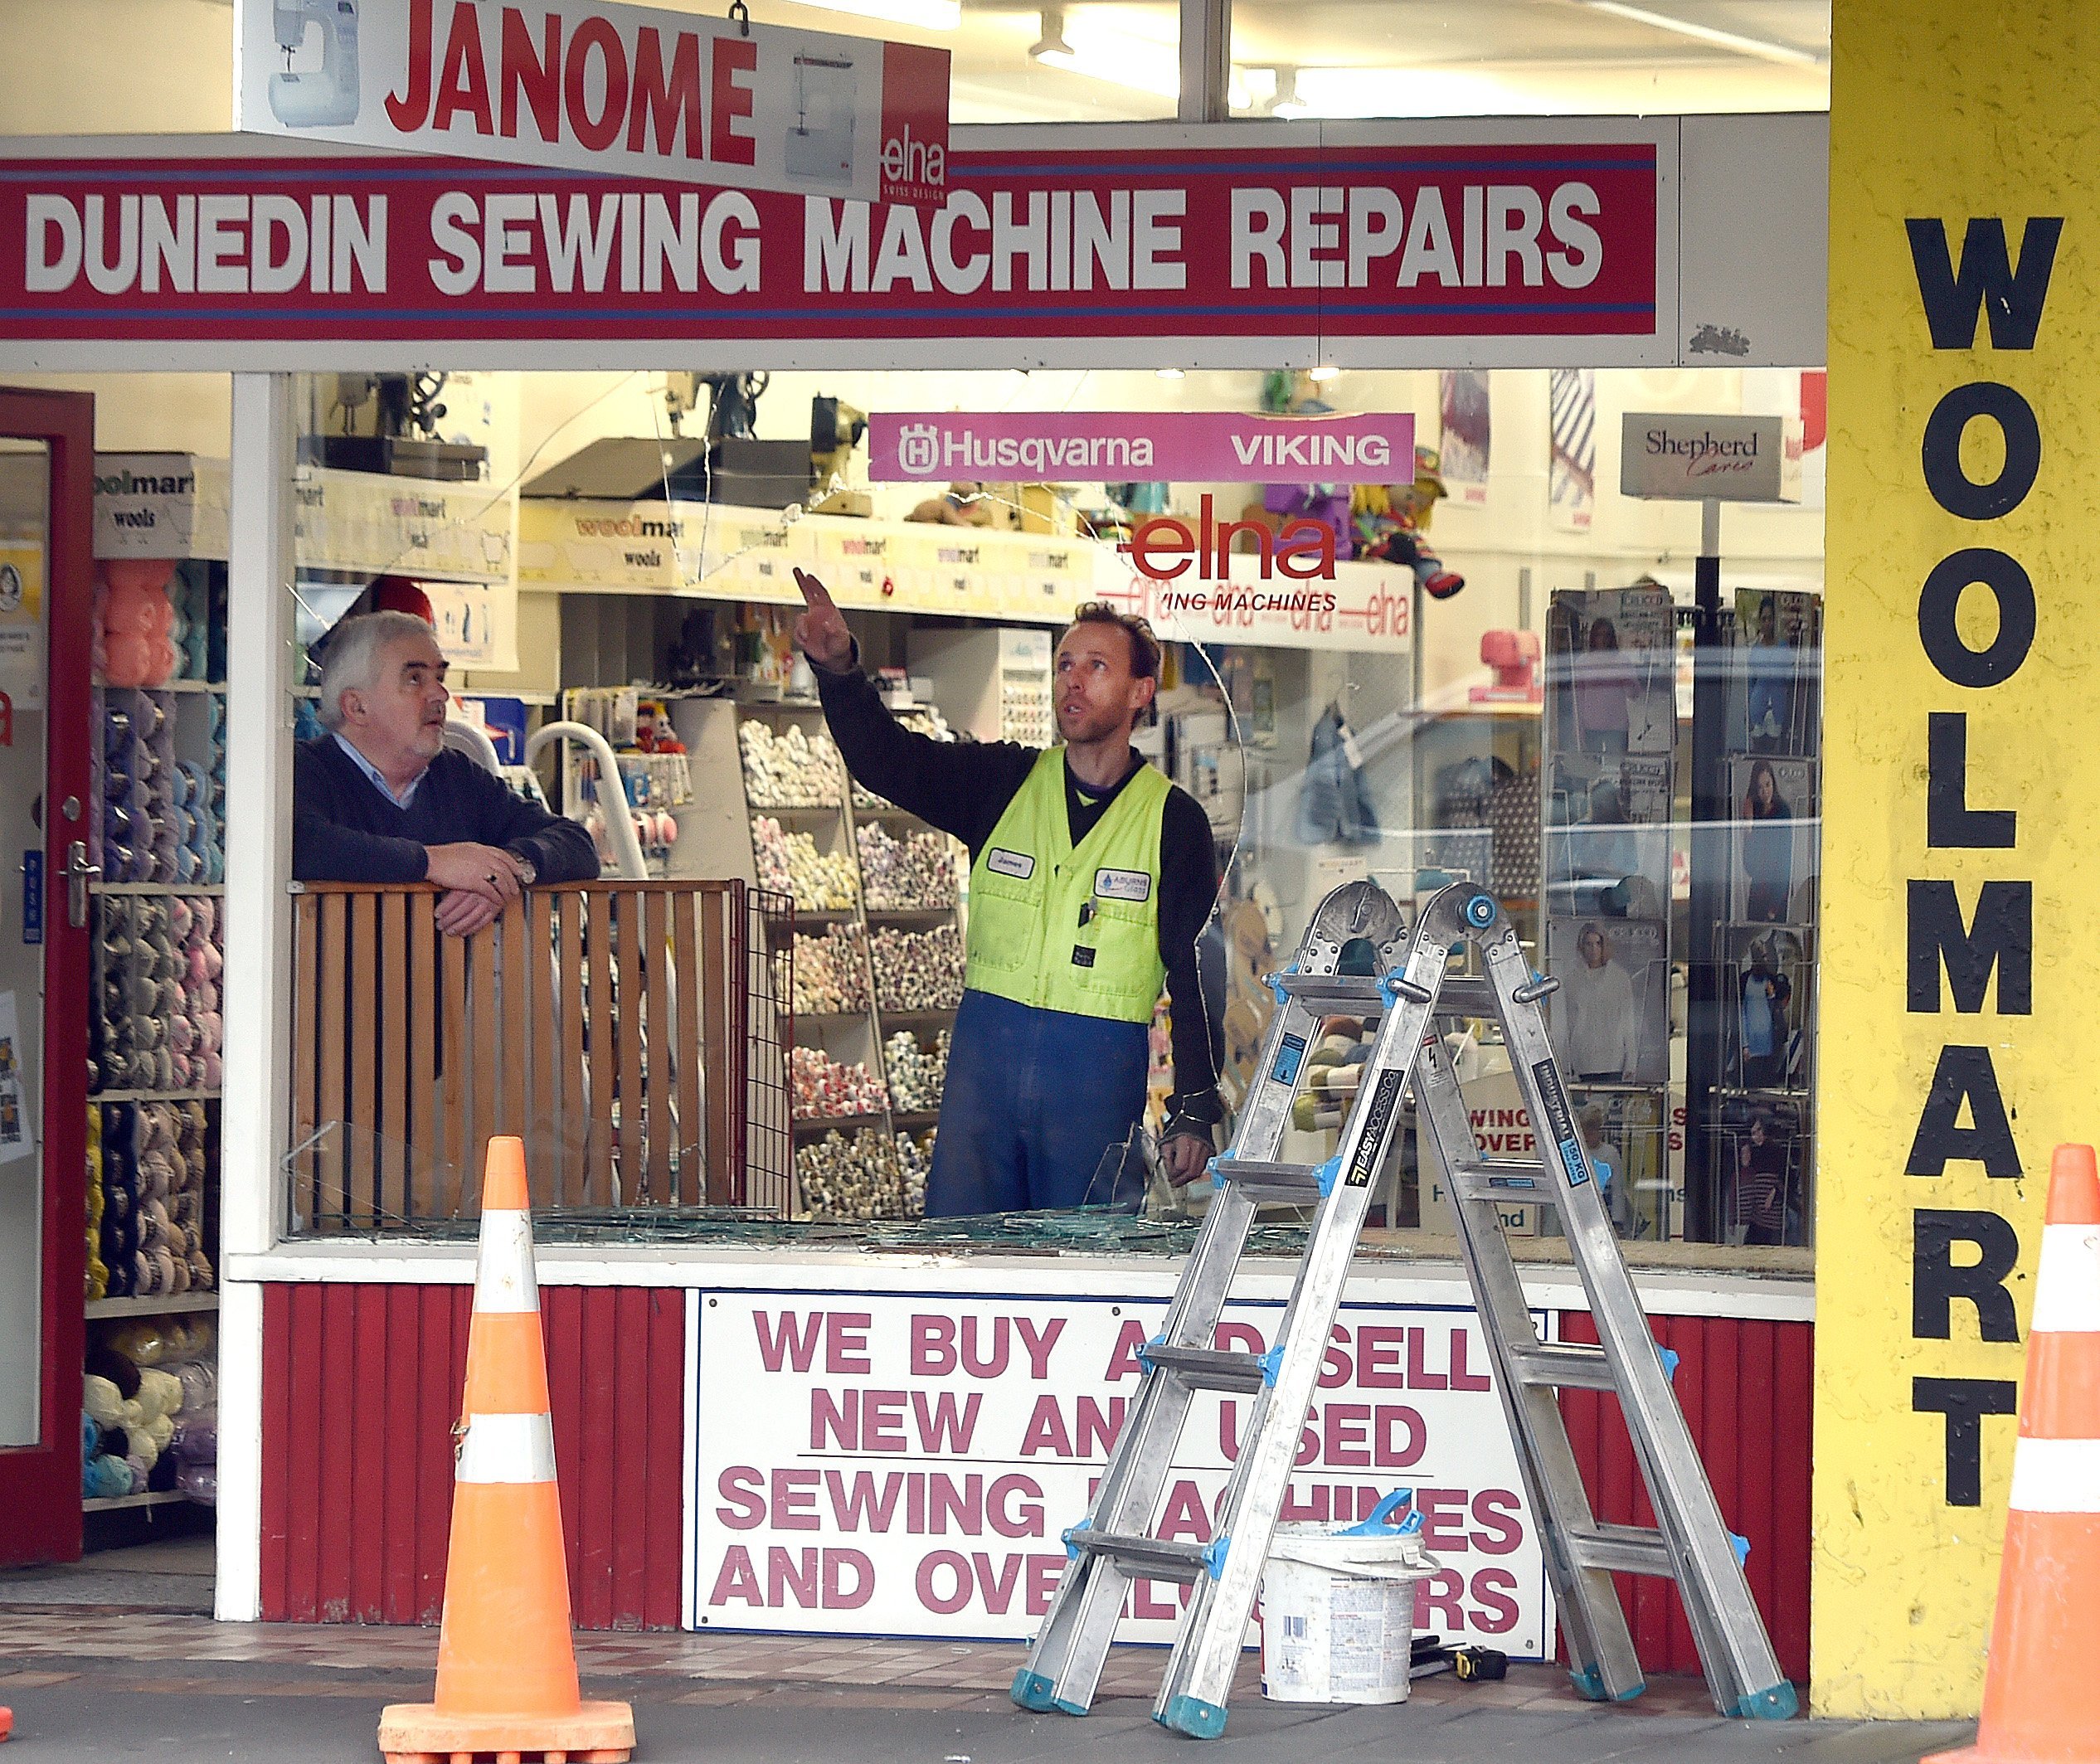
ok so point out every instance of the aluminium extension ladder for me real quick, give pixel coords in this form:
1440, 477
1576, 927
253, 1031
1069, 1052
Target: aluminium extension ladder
1355, 959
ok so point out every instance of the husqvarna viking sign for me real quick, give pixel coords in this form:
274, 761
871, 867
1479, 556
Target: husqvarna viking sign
1179, 446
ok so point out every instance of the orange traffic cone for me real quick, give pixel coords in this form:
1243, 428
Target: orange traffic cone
7, 1722
2041, 1694
507, 1668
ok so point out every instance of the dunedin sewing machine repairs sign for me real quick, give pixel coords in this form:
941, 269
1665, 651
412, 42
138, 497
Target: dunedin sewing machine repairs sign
904, 1464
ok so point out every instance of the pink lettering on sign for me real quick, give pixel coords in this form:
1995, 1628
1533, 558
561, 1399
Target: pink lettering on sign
906, 1464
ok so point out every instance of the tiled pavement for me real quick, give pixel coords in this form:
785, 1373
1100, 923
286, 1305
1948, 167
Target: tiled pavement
93, 1683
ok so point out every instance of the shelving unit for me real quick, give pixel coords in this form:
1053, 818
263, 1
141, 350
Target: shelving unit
181, 1305
117, 1503
157, 833
851, 1037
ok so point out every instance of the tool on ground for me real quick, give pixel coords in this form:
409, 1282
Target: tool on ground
1480, 1663
1356, 960
507, 1665
2041, 1696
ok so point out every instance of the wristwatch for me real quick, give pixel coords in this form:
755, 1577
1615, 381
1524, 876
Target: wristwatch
527, 871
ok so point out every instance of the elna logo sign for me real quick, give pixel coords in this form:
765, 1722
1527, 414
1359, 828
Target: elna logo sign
582, 86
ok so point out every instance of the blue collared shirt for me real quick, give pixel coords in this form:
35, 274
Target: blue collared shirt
378, 779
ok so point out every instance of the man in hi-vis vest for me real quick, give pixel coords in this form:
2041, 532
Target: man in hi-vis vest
1090, 878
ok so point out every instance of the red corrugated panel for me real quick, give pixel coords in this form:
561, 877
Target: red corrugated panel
1745, 1388
360, 1388
276, 1425
663, 1496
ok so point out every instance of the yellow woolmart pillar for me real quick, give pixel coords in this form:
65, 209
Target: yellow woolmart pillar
1960, 1018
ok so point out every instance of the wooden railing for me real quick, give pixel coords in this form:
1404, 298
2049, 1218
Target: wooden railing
632, 1033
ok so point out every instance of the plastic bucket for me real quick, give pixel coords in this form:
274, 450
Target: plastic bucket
1338, 1608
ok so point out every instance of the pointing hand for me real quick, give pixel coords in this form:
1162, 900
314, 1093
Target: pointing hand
821, 632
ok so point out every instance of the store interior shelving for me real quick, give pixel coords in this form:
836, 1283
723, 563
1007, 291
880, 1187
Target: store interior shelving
158, 845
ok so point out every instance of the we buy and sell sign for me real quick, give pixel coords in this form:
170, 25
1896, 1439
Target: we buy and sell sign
905, 1464
580, 85
1523, 241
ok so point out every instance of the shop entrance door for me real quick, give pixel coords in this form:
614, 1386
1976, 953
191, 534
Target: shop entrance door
46, 465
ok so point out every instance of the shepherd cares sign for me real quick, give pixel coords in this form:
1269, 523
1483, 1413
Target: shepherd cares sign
583, 87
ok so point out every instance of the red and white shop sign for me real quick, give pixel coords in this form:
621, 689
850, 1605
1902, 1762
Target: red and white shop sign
1359, 606
904, 1464
1370, 251
1172, 446
581, 85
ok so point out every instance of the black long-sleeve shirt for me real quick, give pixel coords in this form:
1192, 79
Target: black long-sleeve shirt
346, 829
963, 787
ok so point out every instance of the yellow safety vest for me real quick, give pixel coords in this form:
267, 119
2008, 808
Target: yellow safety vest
1066, 929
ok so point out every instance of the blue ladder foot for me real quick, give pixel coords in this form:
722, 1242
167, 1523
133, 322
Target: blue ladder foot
1193, 1716
1032, 1690
1589, 1681
1775, 1703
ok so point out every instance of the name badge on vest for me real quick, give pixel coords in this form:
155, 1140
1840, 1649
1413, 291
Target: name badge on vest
1000, 861
1123, 885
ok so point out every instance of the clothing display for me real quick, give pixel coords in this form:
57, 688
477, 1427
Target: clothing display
1333, 801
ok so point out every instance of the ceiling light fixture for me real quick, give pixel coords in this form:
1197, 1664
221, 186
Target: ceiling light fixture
1051, 42
1322, 374
1101, 51
926, 15
1287, 103
1171, 373
1762, 48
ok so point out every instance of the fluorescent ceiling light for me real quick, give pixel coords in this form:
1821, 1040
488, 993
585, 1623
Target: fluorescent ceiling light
1082, 45
927, 15
1762, 47
1322, 374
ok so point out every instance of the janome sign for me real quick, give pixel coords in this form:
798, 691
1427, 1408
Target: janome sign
593, 87
1176, 446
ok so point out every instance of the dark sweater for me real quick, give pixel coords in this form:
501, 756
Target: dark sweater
344, 828
963, 787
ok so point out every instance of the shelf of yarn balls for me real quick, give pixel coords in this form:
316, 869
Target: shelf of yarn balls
151, 1498
844, 1123
198, 889
167, 1306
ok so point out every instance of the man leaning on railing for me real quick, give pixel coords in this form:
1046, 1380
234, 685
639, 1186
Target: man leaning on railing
381, 799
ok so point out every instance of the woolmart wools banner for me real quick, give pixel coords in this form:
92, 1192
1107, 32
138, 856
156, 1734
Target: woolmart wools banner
1962, 809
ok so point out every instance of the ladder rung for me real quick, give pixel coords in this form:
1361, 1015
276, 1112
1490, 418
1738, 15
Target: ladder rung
1321, 991
1259, 1181
1152, 1556
1466, 995
1563, 1366
1622, 1549
1508, 1172
1208, 1369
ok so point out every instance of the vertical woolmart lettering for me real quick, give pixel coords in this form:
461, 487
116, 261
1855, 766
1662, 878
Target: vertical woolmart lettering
1962, 812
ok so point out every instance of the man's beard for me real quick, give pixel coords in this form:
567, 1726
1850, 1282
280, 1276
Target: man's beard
1088, 726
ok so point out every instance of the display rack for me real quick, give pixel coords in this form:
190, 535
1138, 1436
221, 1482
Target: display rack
156, 841
833, 826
